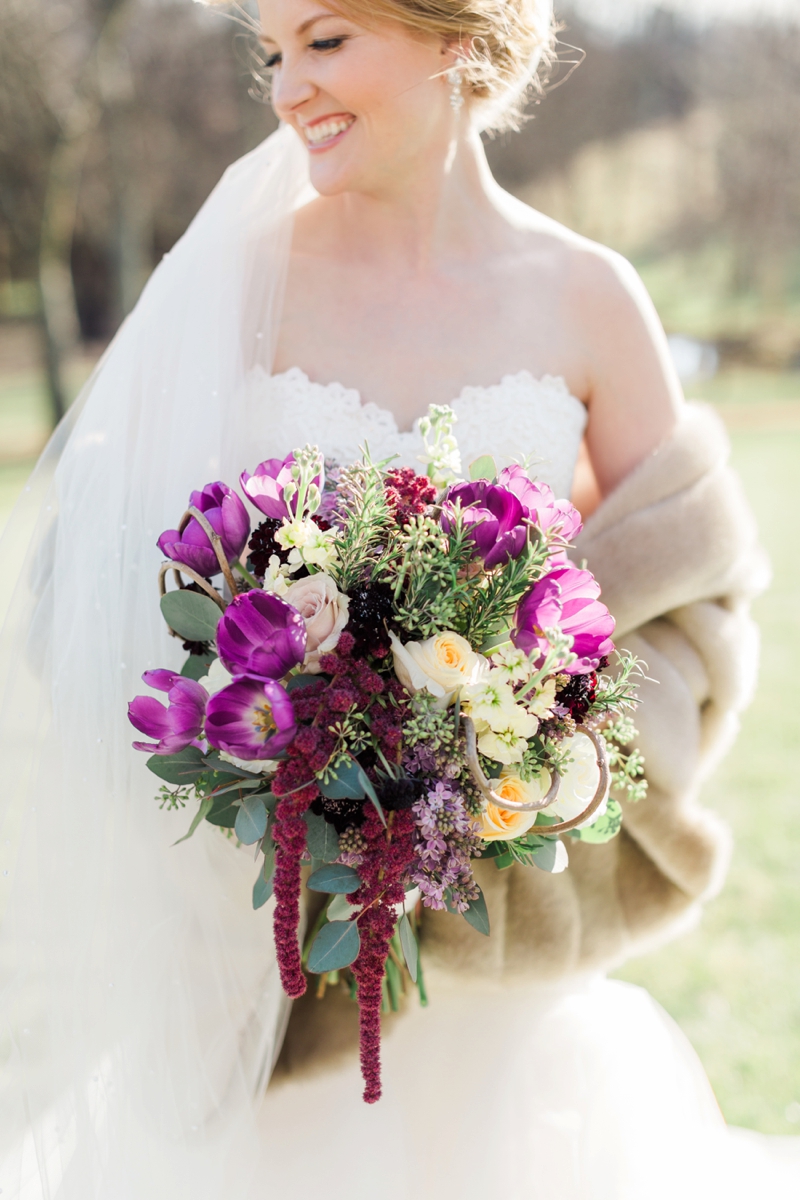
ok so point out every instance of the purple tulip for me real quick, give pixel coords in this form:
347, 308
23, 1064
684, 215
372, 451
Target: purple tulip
177, 726
540, 505
226, 515
265, 487
493, 517
566, 598
261, 635
251, 718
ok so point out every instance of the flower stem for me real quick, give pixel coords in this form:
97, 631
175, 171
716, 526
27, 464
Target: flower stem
244, 571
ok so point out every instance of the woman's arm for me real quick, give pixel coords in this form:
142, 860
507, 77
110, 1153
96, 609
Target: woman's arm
631, 388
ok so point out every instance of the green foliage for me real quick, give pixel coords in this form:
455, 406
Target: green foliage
477, 915
627, 765
197, 665
322, 839
192, 615
174, 798
491, 607
619, 691
367, 519
409, 946
430, 585
334, 877
183, 768
336, 946
604, 829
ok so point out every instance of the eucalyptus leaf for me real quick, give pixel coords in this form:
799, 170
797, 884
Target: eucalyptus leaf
334, 878
262, 890
604, 829
336, 945
366, 783
477, 914
340, 908
222, 812
483, 468
202, 812
184, 767
322, 839
226, 768
191, 614
550, 856
251, 821
410, 947
344, 783
196, 665
300, 681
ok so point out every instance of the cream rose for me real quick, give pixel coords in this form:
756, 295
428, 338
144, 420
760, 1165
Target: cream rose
325, 611
441, 665
504, 824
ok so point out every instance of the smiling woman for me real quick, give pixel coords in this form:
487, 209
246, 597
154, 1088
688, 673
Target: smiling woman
359, 266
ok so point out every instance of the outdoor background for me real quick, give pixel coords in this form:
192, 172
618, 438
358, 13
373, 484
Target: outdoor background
677, 141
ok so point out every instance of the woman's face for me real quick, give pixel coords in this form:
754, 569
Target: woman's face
369, 103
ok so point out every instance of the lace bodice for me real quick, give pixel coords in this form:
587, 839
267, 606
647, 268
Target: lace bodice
520, 418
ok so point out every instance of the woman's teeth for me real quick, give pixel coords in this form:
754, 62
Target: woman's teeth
327, 129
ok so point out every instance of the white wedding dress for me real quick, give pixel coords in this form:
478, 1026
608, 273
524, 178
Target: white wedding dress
580, 1090
139, 1002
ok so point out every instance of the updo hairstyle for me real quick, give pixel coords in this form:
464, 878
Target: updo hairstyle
508, 44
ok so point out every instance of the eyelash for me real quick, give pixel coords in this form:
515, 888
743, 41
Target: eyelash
323, 45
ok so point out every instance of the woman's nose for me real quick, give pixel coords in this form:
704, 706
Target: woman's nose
291, 87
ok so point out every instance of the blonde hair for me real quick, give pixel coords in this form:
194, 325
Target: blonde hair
507, 45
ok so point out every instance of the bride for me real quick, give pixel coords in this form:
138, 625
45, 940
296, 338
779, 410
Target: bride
359, 266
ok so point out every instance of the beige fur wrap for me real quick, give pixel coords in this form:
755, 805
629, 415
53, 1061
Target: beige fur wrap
676, 552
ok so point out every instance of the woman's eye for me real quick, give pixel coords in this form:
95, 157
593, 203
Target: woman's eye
272, 60
324, 44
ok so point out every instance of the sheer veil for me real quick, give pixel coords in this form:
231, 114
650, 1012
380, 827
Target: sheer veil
140, 1010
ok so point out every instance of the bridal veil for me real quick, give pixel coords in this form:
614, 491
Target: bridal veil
139, 1011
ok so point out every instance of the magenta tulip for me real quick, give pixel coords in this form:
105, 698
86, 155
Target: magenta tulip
566, 598
226, 515
178, 725
266, 486
251, 719
540, 505
493, 518
261, 635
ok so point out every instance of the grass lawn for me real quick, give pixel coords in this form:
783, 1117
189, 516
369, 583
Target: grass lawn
734, 983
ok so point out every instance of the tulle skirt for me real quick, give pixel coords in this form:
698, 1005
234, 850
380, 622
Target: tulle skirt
579, 1091
587, 1091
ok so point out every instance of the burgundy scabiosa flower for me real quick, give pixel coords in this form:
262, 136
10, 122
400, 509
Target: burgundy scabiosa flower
539, 503
567, 598
250, 718
226, 515
259, 634
176, 726
493, 516
265, 487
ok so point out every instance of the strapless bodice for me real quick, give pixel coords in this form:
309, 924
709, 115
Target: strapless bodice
521, 418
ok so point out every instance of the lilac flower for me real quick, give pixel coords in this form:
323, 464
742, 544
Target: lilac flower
265, 488
226, 515
261, 635
540, 505
447, 837
566, 598
178, 725
251, 719
493, 517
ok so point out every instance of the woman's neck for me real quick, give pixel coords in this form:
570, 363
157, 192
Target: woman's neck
439, 211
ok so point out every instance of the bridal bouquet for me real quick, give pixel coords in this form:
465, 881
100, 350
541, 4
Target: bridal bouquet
401, 674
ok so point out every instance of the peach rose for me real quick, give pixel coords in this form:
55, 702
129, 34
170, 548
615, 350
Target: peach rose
325, 611
504, 824
441, 665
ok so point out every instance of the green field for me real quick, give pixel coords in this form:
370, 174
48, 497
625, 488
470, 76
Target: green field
734, 983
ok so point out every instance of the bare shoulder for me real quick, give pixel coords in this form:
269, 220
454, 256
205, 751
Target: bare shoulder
621, 355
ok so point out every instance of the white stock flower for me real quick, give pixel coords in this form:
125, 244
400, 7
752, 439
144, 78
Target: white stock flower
307, 543
275, 580
541, 702
216, 679
514, 665
490, 702
508, 745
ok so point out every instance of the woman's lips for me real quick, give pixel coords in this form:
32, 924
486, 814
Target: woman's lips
326, 132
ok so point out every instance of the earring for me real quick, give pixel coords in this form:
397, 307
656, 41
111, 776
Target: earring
456, 97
